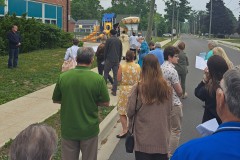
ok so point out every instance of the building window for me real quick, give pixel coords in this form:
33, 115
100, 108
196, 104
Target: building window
53, 22
47, 21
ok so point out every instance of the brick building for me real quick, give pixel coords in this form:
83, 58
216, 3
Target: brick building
47, 11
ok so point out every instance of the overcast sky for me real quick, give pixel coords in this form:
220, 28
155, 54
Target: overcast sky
195, 4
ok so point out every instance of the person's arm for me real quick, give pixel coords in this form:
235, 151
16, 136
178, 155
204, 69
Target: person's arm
120, 56
57, 95
119, 74
103, 99
187, 60
67, 54
11, 38
201, 91
177, 87
106, 49
176, 84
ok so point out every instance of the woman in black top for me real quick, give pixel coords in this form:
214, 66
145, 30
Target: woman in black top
206, 89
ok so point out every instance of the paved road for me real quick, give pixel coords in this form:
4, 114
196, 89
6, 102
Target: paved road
193, 109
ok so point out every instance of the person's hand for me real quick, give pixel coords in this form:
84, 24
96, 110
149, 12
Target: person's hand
206, 75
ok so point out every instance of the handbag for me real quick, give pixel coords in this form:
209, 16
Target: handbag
129, 142
69, 64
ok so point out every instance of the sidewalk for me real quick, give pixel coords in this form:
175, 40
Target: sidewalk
16, 115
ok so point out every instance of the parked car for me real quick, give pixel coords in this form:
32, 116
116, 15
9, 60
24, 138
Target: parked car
167, 35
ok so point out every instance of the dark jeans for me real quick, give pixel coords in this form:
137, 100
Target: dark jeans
108, 66
147, 156
100, 71
13, 57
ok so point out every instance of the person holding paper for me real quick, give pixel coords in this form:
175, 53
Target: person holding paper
224, 143
206, 89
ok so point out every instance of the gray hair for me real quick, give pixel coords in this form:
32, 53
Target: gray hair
85, 55
37, 141
213, 43
231, 88
158, 45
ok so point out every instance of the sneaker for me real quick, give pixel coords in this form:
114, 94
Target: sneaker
185, 95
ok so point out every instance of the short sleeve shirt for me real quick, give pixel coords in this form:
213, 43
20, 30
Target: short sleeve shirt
171, 76
79, 90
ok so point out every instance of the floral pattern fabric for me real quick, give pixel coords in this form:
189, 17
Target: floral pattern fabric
130, 76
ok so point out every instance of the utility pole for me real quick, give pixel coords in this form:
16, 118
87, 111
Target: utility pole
210, 23
173, 19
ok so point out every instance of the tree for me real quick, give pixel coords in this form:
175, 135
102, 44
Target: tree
132, 7
86, 9
2, 2
223, 20
150, 21
181, 5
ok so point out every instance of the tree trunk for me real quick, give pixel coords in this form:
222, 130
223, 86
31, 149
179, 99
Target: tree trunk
150, 21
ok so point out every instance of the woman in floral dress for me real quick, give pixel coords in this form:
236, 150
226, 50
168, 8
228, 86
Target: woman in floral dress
128, 75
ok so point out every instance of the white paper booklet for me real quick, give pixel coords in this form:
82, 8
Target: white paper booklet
208, 127
200, 63
95, 48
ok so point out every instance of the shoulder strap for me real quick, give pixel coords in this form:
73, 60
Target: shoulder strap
136, 109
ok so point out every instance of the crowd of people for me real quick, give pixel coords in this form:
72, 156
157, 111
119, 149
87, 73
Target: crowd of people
150, 92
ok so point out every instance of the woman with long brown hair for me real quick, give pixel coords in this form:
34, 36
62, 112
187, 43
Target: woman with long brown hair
152, 98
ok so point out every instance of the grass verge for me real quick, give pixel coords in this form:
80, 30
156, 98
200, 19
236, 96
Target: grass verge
54, 121
170, 43
35, 71
159, 39
232, 40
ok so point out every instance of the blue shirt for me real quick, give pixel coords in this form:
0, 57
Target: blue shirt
209, 54
222, 145
159, 54
144, 50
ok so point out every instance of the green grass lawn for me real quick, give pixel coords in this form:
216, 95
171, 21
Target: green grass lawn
54, 121
36, 70
170, 43
159, 39
232, 40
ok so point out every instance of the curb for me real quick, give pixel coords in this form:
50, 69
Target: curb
229, 45
107, 125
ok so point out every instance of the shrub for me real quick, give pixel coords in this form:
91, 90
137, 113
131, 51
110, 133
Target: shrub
34, 34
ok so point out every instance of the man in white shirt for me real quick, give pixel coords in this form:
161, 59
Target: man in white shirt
134, 44
72, 51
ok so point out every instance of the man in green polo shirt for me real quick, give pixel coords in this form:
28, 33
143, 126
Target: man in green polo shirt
80, 91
